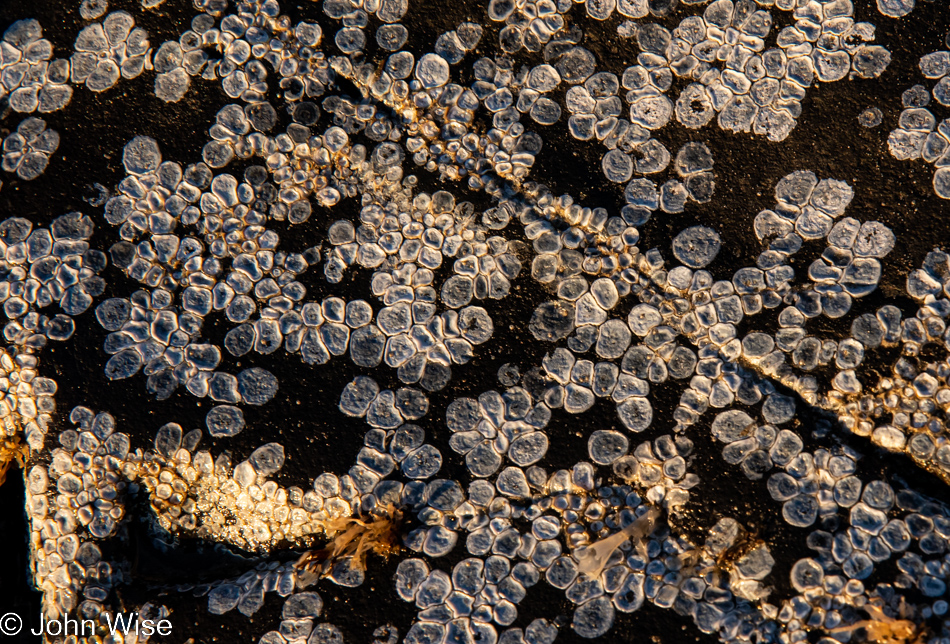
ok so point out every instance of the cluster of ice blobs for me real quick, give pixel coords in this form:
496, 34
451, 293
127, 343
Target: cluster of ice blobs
27, 151
42, 267
918, 135
202, 243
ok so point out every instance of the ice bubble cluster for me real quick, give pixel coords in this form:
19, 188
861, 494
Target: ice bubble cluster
919, 135
377, 210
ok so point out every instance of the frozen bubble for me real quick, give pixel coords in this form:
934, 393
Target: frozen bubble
168, 439
223, 598
224, 420
643, 318
558, 364
642, 192
545, 111
306, 113
543, 78
652, 112
831, 66
581, 126
462, 414
682, 363
113, 313
475, 324
847, 491
93, 9
172, 86
308, 33
868, 330
606, 446
786, 447
806, 574
407, 438
589, 312
468, 576
602, 85
801, 511
941, 91
328, 633
366, 346
778, 409
141, 155
870, 117
895, 8
509, 375
693, 157
512, 482
350, 40
262, 116
858, 565
757, 345
540, 631
941, 183
257, 386
392, 10
916, 96
302, 606
605, 292
240, 340
935, 65
382, 412
203, 356
673, 196
105, 75
905, 145
552, 321
635, 413
697, 246
445, 495
896, 535
917, 119
593, 618
613, 338
756, 564
412, 403
694, 107
562, 572
577, 399
425, 633
576, 65
483, 460
267, 459
432, 71
617, 166
572, 288
795, 189
528, 448
867, 518
124, 364
739, 113
422, 463
732, 425
874, 240
409, 576
870, 61
879, 495
783, 487
341, 232
400, 64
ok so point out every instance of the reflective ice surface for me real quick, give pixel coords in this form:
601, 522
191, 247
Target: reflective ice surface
359, 332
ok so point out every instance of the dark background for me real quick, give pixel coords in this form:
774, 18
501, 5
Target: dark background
828, 140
